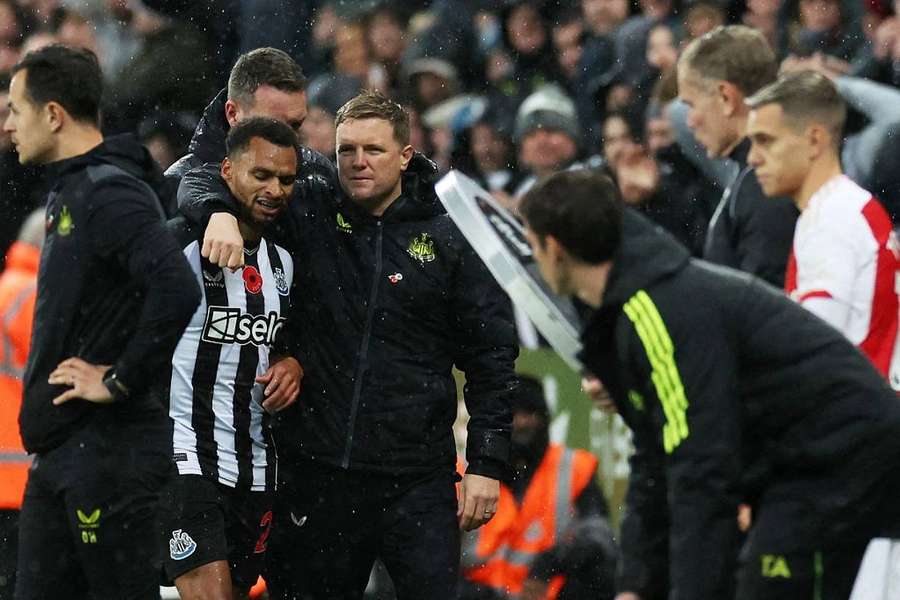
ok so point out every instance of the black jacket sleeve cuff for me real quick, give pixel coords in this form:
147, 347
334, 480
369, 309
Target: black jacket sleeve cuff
490, 444
487, 467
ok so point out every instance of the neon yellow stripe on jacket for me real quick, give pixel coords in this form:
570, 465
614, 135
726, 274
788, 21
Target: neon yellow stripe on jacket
657, 343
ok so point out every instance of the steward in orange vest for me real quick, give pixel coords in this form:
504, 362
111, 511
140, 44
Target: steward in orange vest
549, 538
17, 295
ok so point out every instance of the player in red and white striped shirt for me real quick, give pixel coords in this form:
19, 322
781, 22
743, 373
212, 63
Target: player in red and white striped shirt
845, 257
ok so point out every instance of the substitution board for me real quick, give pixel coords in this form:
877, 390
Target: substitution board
499, 239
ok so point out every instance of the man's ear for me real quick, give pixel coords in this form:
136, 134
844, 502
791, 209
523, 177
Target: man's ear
730, 98
227, 169
56, 116
231, 112
554, 249
820, 140
405, 156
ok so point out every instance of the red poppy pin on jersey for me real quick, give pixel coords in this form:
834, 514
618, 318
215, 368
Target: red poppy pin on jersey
252, 280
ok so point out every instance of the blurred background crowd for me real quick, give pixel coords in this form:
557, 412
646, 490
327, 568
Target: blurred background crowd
504, 90
507, 91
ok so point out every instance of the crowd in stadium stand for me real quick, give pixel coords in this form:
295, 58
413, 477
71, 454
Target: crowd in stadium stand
600, 74
506, 91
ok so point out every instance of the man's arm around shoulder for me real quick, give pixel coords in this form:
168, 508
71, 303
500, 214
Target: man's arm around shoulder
205, 200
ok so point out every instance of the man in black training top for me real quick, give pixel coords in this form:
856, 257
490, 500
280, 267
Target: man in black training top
114, 294
715, 371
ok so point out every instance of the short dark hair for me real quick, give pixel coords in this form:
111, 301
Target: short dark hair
580, 208
70, 77
805, 97
271, 130
734, 53
264, 66
372, 104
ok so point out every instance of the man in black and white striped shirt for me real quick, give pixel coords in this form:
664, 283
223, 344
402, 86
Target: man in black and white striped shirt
225, 382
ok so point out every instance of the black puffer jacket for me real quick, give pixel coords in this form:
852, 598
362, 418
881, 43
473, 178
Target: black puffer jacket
208, 146
716, 372
386, 307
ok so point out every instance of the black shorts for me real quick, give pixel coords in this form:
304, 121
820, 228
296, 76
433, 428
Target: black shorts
205, 521
89, 522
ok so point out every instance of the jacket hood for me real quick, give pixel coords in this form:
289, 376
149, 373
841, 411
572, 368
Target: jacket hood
208, 142
419, 200
646, 254
124, 151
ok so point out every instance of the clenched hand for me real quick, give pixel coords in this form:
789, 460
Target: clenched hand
223, 244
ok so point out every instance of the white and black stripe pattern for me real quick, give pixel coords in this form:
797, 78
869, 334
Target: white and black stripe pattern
278, 258
220, 429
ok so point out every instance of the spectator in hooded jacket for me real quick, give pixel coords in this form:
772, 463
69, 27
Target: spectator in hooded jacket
327, 93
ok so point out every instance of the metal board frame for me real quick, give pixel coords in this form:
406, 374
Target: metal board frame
499, 239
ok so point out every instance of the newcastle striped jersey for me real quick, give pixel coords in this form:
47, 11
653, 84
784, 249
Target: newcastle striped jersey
220, 429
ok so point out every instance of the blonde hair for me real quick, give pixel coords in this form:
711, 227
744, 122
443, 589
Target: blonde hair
736, 54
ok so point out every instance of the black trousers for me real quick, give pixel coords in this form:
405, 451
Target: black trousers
88, 526
792, 551
785, 556
9, 542
331, 524
816, 574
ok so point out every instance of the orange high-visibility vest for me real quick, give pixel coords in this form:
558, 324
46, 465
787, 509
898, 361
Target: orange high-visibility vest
17, 295
500, 554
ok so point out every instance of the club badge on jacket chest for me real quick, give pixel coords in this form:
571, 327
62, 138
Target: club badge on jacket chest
61, 226
415, 276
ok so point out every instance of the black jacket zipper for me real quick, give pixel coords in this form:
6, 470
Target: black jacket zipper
364, 345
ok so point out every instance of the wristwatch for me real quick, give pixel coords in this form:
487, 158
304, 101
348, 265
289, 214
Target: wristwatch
117, 389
